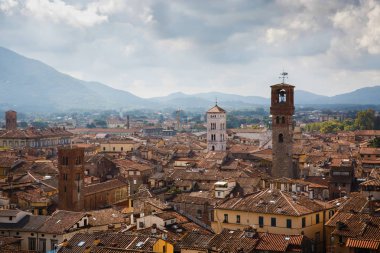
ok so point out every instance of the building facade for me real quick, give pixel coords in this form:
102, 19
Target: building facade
71, 178
10, 120
282, 110
216, 129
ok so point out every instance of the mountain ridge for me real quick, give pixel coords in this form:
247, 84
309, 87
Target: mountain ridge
32, 85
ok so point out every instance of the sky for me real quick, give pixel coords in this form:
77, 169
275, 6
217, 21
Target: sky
156, 47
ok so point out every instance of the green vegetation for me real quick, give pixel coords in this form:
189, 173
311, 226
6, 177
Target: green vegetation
375, 143
249, 117
365, 120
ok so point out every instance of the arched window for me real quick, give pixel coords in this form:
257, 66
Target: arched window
280, 138
213, 148
277, 120
283, 120
282, 96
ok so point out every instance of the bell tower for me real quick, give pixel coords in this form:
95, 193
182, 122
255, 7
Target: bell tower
71, 178
282, 110
216, 129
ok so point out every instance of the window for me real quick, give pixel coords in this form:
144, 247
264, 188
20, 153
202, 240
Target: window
121, 148
113, 148
273, 222
237, 218
283, 120
225, 218
303, 222
261, 221
280, 138
32, 243
53, 244
317, 237
42, 245
104, 148
317, 218
282, 96
277, 120
289, 223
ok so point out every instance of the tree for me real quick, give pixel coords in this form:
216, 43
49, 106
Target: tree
365, 120
375, 143
40, 124
23, 124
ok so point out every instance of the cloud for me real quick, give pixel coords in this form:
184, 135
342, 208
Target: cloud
360, 25
7, 5
57, 11
155, 47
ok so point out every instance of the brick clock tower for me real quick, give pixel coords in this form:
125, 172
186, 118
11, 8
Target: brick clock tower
282, 110
71, 178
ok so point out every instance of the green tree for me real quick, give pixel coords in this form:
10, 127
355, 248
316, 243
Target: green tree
365, 120
375, 143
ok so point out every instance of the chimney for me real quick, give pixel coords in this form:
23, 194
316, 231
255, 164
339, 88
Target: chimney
154, 229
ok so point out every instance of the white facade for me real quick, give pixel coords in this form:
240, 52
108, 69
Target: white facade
223, 188
216, 129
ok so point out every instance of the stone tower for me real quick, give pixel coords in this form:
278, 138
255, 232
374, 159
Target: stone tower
11, 120
216, 129
282, 110
71, 178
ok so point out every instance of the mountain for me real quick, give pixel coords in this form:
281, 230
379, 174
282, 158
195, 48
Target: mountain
31, 85
363, 96
206, 100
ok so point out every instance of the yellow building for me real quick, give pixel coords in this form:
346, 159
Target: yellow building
163, 246
117, 146
276, 212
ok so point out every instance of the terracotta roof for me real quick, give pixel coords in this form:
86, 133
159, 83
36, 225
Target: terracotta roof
61, 221
369, 151
367, 132
31, 133
274, 202
373, 182
104, 186
234, 241
127, 165
216, 109
105, 217
362, 244
280, 85
110, 243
